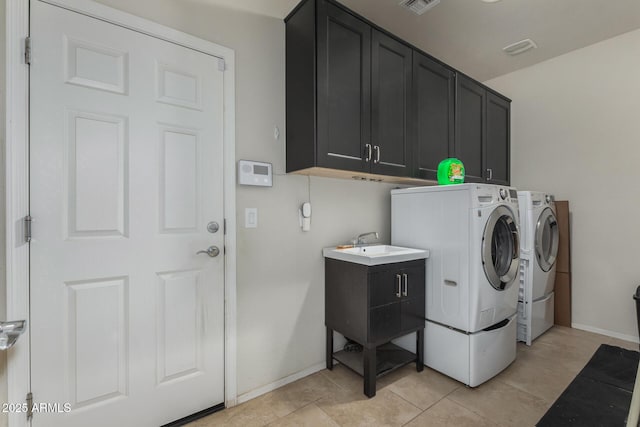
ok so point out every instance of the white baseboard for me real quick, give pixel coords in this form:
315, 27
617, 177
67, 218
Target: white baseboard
612, 334
281, 382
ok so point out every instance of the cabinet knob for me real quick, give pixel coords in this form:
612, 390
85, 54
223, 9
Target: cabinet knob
399, 282
376, 148
406, 284
490, 174
368, 155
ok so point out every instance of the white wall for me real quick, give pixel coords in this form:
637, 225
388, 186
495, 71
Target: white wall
576, 133
3, 284
280, 268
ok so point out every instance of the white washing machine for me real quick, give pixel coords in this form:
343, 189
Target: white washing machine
472, 233
538, 251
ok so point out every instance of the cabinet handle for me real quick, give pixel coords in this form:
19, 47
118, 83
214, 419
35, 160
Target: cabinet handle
490, 172
377, 150
406, 284
368, 157
399, 293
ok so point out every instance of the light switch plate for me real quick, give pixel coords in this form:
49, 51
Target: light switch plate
251, 218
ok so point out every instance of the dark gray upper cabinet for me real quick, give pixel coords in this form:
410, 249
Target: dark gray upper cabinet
300, 64
433, 108
348, 104
344, 82
361, 100
328, 90
470, 127
482, 132
391, 104
497, 150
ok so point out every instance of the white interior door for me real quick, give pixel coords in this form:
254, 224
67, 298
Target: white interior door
126, 173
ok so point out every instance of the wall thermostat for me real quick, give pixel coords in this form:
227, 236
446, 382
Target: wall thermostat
255, 173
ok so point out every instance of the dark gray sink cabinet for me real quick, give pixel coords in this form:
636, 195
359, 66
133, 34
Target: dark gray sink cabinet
372, 305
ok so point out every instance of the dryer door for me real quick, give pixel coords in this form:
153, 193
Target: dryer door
546, 239
501, 248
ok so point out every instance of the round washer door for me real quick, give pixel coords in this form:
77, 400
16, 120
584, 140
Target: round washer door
501, 248
546, 239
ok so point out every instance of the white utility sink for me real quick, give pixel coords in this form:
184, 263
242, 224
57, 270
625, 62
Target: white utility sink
375, 254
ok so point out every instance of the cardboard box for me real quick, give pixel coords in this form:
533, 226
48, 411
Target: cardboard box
563, 262
562, 305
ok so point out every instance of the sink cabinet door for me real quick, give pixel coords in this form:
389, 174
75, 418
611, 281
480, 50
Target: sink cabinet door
384, 287
413, 304
384, 322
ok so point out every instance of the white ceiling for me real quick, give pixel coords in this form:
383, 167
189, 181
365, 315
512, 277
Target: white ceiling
470, 34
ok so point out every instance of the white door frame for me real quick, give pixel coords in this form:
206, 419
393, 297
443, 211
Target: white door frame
17, 181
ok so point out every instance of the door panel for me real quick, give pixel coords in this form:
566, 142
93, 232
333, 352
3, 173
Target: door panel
434, 115
101, 366
97, 150
126, 171
343, 96
391, 104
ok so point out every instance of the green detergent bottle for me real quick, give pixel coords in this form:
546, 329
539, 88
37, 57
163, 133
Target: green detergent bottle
450, 171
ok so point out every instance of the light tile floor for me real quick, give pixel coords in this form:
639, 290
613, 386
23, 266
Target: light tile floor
518, 396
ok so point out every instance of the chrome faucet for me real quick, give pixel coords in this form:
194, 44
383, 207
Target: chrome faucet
359, 241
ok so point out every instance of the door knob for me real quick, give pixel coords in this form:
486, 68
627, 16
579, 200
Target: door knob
213, 227
212, 251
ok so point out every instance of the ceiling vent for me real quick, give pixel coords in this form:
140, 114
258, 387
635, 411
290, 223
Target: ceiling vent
419, 6
519, 47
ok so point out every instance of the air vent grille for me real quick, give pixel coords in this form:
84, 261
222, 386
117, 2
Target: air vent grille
519, 47
419, 6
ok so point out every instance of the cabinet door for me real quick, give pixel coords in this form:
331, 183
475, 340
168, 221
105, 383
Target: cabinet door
498, 140
343, 89
470, 131
413, 300
433, 118
384, 323
391, 105
384, 287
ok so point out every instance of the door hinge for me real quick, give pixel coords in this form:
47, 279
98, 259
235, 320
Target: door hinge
222, 65
224, 226
27, 50
27, 228
29, 406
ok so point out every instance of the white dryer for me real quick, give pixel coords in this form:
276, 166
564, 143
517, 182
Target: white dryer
538, 251
472, 233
